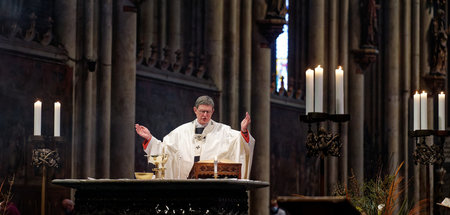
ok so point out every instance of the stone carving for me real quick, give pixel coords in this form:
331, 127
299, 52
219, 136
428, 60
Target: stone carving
14, 30
189, 68
290, 92
164, 63
298, 94
276, 9
438, 36
47, 37
30, 33
140, 53
176, 67
201, 68
153, 56
370, 23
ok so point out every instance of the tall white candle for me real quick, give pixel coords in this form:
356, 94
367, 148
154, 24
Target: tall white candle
215, 166
416, 111
37, 118
423, 111
309, 100
318, 89
339, 90
441, 111
57, 120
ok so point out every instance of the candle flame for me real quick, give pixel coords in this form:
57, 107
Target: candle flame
318, 66
340, 67
442, 92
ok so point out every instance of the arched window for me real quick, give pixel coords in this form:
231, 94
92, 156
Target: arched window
281, 56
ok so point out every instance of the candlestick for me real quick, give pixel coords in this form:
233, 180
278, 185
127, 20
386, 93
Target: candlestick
318, 89
37, 117
215, 166
57, 120
416, 116
423, 111
339, 90
309, 100
441, 111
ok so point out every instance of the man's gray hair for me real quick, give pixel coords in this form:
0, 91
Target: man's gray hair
204, 100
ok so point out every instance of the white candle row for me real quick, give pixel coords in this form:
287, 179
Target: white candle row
314, 90
420, 111
38, 119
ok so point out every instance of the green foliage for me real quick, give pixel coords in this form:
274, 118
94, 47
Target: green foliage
380, 196
373, 193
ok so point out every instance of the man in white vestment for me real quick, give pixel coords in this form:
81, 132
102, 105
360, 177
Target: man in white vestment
201, 139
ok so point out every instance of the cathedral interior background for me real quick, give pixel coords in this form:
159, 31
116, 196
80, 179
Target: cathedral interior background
112, 64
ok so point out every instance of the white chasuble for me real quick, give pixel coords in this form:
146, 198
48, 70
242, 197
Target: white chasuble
217, 139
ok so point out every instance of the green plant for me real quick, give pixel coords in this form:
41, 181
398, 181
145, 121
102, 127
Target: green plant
380, 196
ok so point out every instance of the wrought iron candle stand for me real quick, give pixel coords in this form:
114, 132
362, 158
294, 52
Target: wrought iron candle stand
429, 154
44, 155
323, 143
433, 153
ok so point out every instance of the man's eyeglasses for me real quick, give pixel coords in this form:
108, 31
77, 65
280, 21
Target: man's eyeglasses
205, 111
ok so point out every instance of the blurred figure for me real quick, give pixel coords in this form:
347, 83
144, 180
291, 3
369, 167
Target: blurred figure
274, 209
68, 206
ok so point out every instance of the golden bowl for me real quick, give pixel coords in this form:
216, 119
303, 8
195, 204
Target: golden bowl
143, 175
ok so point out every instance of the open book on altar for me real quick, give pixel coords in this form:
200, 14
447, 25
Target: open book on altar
225, 169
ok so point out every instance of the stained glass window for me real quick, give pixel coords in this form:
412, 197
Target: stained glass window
282, 56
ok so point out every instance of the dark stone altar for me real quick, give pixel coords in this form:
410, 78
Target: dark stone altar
161, 196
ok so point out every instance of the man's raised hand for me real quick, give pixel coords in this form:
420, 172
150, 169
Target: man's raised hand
143, 132
245, 122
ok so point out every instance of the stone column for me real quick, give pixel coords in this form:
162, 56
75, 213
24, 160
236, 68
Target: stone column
231, 63
406, 91
214, 45
260, 97
104, 91
332, 50
245, 57
415, 76
162, 25
174, 29
317, 57
123, 94
65, 28
317, 34
392, 91
85, 88
87, 153
89, 30
147, 26
426, 15
356, 98
343, 60
415, 44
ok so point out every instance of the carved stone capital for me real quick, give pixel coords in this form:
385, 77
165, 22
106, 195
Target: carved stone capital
365, 56
434, 83
271, 28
